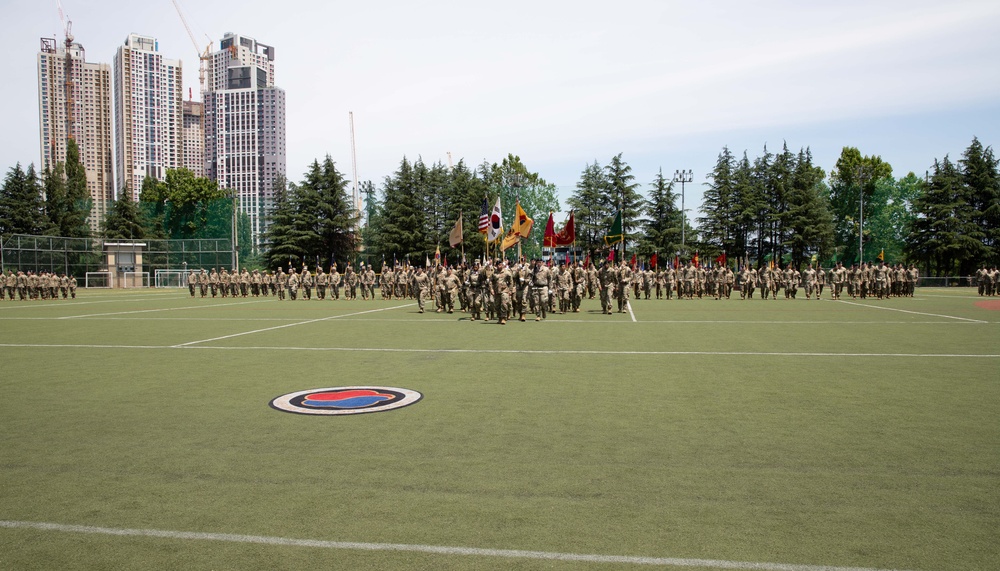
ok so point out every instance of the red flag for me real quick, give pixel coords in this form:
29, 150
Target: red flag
632, 261
611, 256
565, 237
677, 262
652, 261
549, 240
721, 260
695, 259
586, 261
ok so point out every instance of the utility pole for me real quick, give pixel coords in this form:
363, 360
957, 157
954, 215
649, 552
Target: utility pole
682, 177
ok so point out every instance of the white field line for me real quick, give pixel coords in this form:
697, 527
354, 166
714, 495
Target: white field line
75, 302
110, 317
152, 310
913, 312
497, 351
328, 318
432, 549
629, 304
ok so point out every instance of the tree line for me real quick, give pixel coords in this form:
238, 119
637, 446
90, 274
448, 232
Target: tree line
775, 206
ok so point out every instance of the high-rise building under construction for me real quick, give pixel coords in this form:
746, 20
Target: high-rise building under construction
74, 102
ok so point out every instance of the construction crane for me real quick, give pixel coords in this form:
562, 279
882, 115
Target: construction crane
202, 55
68, 72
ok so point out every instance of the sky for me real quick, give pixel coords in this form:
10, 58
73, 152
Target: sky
563, 84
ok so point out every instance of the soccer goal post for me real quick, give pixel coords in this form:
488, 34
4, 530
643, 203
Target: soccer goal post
170, 278
135, 279
98, 279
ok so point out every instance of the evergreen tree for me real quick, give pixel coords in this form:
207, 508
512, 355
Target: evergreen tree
718, 206
622, 192
403, 217
67, 202
591, 209
940, 234
22, 210
124, 221
325, 220
980, 176
662, 228
282, 250
807, 222
465, 196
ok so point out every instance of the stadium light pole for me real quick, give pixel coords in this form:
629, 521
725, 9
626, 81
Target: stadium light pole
682, 177
861, 215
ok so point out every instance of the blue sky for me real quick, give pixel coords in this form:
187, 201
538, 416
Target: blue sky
666, 83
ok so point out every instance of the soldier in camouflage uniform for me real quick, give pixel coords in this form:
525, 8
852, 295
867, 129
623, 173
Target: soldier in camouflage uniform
503, 287
334, 282
421, 287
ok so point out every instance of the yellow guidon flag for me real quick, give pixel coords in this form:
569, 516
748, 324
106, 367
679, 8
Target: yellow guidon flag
881, 255
522, 224
520, 228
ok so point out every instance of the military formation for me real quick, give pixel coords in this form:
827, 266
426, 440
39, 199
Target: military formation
31, 286
988, 281
294, 285
501, 290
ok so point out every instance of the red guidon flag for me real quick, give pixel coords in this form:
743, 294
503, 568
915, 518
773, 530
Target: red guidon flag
565, 237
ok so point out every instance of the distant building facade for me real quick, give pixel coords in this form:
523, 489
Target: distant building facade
64, 76
148, 98
245, 126
194, 137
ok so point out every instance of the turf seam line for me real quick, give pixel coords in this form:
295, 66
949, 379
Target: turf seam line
328, 318
432, 549
508, 351
908, 311
149, 310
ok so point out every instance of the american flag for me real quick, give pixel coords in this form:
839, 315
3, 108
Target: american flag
484, 216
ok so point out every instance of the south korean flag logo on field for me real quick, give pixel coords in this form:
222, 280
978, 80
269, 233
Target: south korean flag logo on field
338, 401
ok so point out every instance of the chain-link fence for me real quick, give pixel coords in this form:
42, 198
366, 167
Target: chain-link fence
121, 261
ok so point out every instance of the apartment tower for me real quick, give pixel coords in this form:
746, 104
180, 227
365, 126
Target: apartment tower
74, 101
149, 95
245, 126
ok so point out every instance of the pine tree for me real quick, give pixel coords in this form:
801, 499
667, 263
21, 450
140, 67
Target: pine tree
591, 209
22, 210
403, 223
662, 228
622, 193
980, 176
124, 221
808, 222
718, 206
282, 251
939, 237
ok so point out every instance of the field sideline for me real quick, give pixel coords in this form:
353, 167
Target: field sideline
775, 435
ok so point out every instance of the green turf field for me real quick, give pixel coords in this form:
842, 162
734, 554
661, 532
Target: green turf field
135, 433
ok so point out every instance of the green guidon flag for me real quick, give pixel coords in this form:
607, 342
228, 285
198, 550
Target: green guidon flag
615, 234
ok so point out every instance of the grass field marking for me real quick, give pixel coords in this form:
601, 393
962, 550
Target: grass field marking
154, 310
432, 549
908, 311
629, 304
505, 351
328, 318
75, 302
